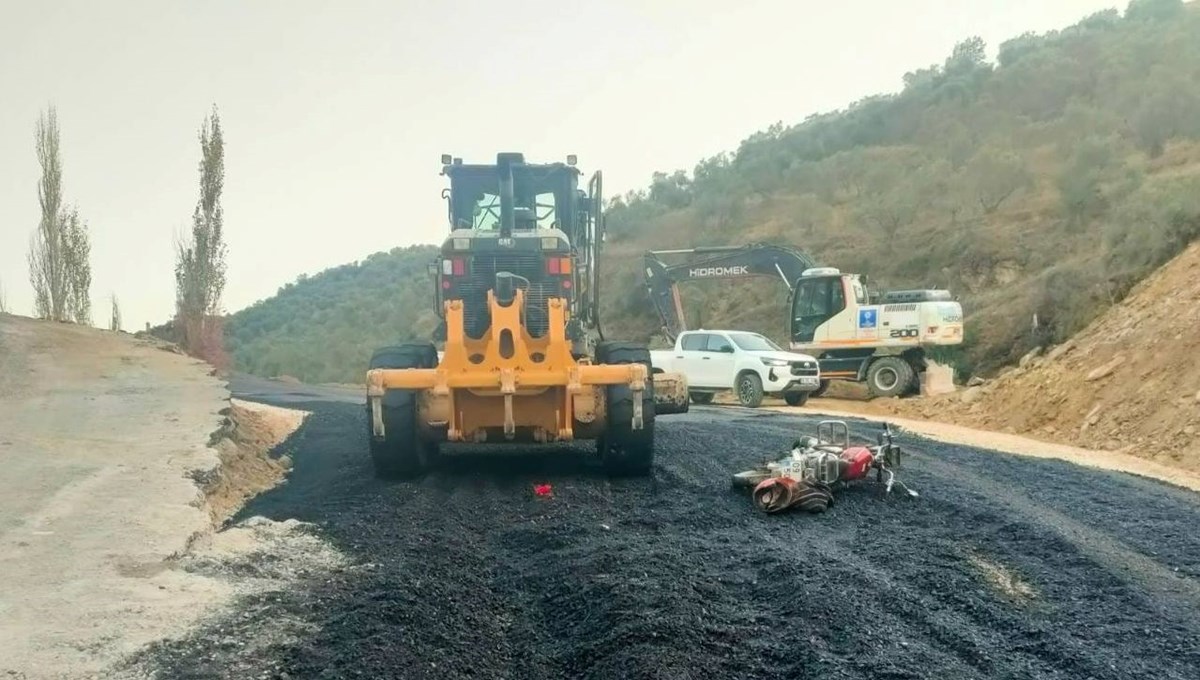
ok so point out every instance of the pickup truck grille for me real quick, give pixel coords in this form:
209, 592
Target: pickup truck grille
805, 368
482, 278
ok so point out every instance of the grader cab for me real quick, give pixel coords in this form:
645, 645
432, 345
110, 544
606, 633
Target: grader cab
523, 360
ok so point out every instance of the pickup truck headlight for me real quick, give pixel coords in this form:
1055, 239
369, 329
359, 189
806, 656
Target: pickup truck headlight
774, 362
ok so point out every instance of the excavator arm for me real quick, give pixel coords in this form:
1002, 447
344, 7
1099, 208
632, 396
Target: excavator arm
755, 260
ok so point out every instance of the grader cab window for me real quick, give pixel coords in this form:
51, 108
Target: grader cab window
542, 195
544, 208
487, 213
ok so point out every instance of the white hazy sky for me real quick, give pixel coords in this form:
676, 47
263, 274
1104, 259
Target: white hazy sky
335, 113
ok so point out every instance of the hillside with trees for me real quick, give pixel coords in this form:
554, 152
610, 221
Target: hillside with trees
323, 328
1039, 188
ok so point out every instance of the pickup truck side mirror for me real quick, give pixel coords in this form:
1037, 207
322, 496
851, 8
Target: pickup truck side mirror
726, 349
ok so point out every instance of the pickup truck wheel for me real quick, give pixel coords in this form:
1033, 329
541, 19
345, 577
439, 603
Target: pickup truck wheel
624, 450
749, 390
796, 398
820, 389
889, 377
701, 397
401, 453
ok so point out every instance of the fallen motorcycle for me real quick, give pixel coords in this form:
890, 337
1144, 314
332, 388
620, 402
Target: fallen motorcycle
816, 466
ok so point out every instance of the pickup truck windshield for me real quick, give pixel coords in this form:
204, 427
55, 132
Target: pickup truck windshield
753, 342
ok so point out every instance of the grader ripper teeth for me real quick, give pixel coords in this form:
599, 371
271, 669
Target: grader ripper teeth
556, 393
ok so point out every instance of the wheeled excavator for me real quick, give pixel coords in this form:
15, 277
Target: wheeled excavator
855, 334
523, 358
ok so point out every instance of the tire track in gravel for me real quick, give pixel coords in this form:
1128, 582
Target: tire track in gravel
466, 574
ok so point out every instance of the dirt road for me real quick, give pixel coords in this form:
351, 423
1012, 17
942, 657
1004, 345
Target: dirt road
1006, 567
104, 445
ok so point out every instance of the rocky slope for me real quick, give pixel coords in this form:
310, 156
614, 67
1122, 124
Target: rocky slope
1129, 381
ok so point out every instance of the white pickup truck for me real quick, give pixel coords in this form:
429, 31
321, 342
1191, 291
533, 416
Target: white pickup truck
747, 363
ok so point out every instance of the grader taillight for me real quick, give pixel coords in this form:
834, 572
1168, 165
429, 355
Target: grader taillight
454, 266
558, 266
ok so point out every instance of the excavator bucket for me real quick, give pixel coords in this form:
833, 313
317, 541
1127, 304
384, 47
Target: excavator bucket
670, 393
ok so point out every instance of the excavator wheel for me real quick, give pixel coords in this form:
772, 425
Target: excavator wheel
914, 386
889, 377
624, 450
401, 453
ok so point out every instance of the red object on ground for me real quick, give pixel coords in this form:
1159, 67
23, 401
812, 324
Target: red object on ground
858, 462
542, 489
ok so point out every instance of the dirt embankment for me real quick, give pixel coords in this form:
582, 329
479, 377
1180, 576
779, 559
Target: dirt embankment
246, 435
1129, 382
119, 460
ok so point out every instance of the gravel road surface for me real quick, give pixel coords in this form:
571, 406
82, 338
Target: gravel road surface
1006, 567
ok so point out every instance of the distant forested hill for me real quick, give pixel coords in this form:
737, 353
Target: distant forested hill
323, 328
1044, 184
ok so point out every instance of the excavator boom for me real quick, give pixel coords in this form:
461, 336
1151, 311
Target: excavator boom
756, 260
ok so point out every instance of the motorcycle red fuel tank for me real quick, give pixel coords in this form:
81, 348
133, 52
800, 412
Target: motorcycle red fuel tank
857, 462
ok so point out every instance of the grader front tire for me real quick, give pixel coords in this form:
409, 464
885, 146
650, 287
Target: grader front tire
624, 450
401, 454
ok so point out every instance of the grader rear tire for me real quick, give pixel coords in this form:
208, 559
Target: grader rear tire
401, 453
624, 450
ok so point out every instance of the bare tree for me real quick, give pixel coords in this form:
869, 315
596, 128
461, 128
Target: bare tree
200, 259
114, 323
3, 300
59, 267
46, 270
76, 259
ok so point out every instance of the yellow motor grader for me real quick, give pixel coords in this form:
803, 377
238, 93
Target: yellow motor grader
523, 357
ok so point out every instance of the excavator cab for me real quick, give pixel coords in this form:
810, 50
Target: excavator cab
825, 306
816, 298
880, 340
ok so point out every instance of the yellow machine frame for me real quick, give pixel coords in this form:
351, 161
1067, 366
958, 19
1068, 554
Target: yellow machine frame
546, 392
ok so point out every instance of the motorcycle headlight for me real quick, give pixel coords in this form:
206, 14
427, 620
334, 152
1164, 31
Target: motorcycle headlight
774, 362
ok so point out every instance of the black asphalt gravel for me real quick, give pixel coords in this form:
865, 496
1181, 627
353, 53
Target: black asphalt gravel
1003, 568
